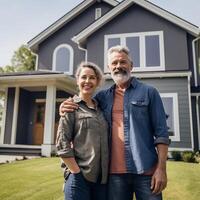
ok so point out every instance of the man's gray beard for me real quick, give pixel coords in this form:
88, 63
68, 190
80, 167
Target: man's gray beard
120, 78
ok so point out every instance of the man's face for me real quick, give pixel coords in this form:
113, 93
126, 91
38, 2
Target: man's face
120, 67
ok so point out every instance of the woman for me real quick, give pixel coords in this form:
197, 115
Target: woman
82, 140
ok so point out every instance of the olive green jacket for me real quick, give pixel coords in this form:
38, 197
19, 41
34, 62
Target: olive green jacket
83, 134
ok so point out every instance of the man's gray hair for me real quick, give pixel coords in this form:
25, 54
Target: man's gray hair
119, 49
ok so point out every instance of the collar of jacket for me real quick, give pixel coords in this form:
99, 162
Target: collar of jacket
133, 83
78, 99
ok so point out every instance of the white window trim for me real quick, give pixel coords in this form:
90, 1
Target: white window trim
70, 72
141, 36
174, 96
98, 13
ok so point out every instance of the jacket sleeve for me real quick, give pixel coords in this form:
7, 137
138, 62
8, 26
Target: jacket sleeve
158, 118
65, 135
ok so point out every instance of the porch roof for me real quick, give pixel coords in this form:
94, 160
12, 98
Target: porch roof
28, 73
38, 78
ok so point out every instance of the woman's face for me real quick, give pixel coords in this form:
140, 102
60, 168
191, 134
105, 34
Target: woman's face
87, 81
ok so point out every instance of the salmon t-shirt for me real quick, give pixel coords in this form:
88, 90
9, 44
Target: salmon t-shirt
118, 164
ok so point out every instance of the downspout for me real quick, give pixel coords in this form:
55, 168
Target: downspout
190, 113
195, 61
85, 50
36, 60
198, 118
81, 48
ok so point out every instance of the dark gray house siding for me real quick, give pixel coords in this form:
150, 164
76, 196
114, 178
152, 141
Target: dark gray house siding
179, 86
65, 34
137, 19
9, 115
190, 38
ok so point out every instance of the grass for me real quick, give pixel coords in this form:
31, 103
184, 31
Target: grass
183, 181
38, 179
34, 179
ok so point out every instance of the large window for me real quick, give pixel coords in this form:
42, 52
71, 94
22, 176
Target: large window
63, 59
146, 49
170, 102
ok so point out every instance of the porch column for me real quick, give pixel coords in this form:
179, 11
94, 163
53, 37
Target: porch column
4, 118
15, 116
48, 141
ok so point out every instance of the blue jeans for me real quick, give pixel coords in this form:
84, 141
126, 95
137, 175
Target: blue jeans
77, 188
124, 186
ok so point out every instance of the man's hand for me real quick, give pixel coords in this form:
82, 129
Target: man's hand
159, 181
67, 106
159, 178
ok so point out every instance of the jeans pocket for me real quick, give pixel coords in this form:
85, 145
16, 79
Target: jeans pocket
66, 174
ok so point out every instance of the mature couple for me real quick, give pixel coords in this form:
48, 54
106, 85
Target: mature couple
121, 132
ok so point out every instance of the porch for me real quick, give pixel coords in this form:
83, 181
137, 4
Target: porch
30, 116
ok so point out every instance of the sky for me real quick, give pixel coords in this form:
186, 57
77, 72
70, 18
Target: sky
22, 20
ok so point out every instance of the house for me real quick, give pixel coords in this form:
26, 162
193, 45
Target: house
165, 51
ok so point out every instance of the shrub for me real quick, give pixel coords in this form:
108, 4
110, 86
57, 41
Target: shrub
197, 156
189, 156
176, 155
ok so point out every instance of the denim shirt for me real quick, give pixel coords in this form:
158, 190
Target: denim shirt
144, 124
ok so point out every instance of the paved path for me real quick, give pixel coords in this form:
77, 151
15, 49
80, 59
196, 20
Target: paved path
7, 158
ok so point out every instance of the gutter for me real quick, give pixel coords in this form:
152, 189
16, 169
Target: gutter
81, 48
195, 61
36, 60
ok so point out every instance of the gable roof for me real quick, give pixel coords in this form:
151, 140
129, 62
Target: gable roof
33, 43
82, 36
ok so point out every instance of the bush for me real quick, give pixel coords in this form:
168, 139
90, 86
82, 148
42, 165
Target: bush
176, 155
197, 156
189, 156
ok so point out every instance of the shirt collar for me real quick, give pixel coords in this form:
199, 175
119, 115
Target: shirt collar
133, 83
78, 99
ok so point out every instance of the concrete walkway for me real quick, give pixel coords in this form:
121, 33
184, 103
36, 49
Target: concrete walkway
8, 158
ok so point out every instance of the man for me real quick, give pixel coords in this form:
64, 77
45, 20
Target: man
139, 138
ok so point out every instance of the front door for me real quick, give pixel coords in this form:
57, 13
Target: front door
39, 117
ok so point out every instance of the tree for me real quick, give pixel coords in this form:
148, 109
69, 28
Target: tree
7, 69
23, 59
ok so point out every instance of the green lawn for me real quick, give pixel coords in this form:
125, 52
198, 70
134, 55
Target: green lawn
41, 179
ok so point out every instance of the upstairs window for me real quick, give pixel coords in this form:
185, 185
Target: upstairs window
63, 57
97, 13
146, 49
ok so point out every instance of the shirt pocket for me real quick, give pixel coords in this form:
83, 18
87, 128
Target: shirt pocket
85, 120
139, 109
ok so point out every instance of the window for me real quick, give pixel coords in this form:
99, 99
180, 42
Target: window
97, 13
63, 59
146, 49
170, 102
